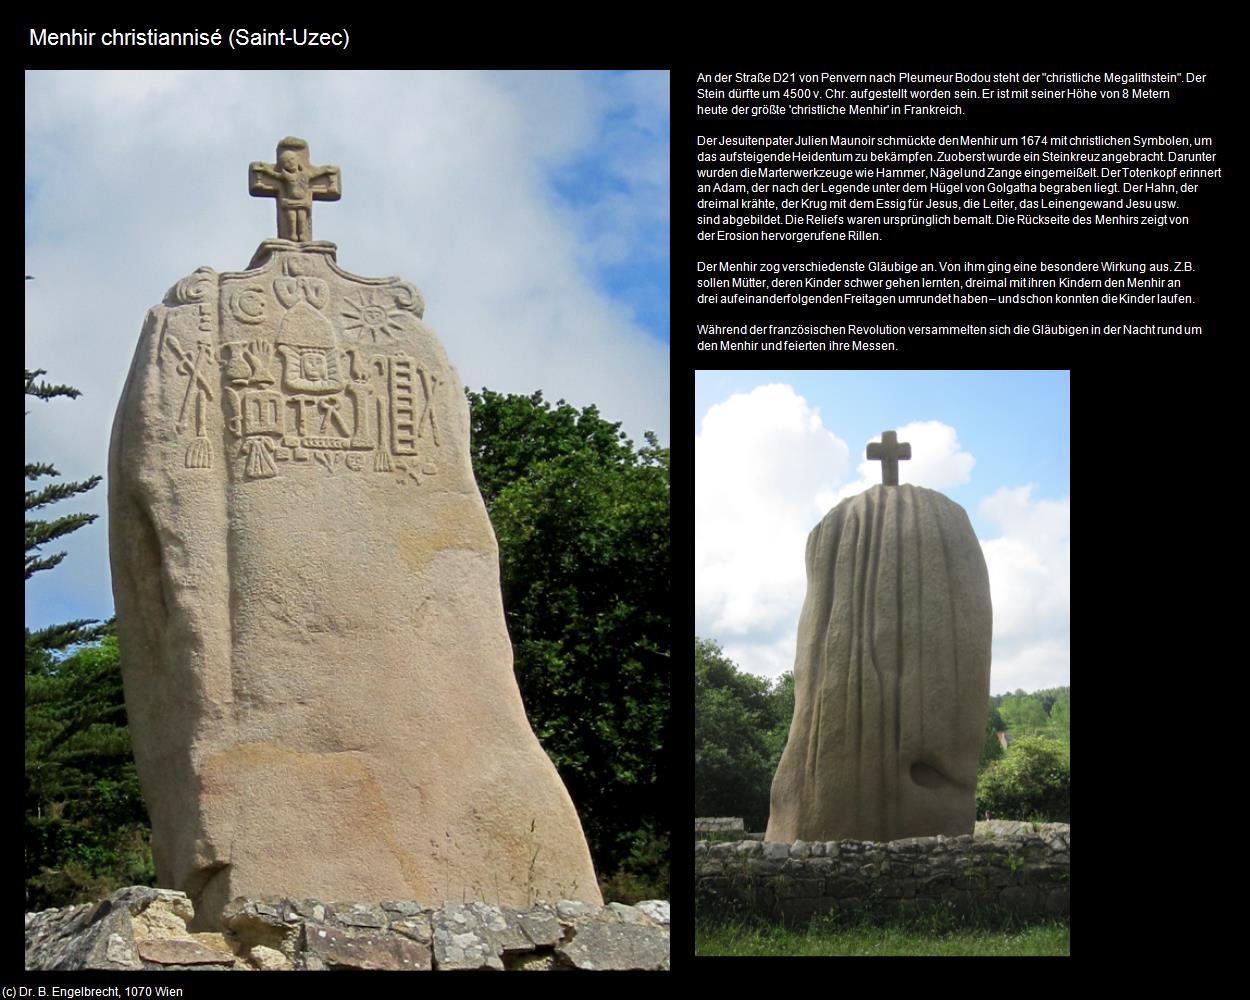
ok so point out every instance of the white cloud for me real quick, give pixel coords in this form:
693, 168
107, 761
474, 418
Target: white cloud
763, 462
938, 460
768, 657
134, 179
1046, 663
767, 468
1030, 571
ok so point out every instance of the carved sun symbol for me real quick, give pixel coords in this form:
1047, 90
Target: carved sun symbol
371, 318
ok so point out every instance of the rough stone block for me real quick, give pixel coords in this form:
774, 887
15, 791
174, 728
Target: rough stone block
656, 909
790, 888
329, 947
269, 959
456, 947
92, 936
840, 888
898, 889
1025, 901
1043, 874
182, 954
1000, 877
357, 915
616, 946
542, 927
571, 909
623, 913
775, 851
1058, 903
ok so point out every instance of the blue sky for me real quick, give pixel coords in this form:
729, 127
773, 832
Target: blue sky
531, 209
774, 450
1016, 424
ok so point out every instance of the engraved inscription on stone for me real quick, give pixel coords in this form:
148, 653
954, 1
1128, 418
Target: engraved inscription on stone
294, 362
309, 369
197, 368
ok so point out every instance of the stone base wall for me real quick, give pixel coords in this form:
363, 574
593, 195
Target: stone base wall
140, 928
1004, 871
719, 824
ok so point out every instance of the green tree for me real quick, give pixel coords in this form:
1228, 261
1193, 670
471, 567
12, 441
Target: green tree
1023, 713
1061, 716
991, 750
514, 434
739, 733
1048, 697
782, 697
1033, 780
85, 824
40, 532
582, 520
86, 827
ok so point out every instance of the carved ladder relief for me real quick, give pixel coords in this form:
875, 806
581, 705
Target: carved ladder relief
306, 374
314, 386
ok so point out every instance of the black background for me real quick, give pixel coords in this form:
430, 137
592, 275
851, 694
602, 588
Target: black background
1155, 600
1192, 111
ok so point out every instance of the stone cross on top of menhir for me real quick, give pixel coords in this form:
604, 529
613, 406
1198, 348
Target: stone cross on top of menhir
888, 452
296, 183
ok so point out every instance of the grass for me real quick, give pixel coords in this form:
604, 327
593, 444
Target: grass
822, 939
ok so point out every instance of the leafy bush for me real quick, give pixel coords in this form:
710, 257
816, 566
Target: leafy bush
1032, 781
645, 873
582, 519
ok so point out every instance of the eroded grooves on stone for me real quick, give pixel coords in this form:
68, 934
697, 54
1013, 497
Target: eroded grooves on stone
891, 674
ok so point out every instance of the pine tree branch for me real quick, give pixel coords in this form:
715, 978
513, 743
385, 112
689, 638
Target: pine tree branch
41, 532
60, 637
35, 565
37, 470
59, 491
45, 391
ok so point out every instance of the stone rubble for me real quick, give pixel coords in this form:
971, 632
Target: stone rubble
141, 928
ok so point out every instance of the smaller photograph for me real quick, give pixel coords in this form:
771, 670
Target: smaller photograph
882, 663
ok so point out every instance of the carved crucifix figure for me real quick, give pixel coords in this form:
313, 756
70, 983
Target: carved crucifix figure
296, 183
888, 452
